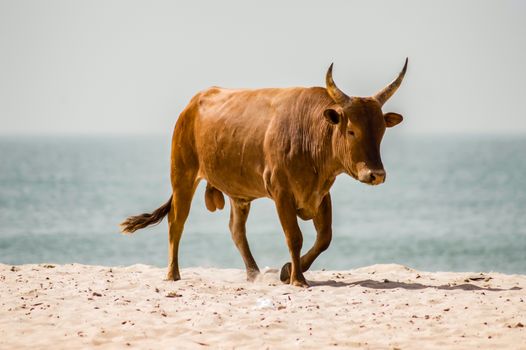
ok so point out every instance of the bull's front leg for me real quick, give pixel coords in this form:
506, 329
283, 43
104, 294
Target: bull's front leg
323, 224
287, 216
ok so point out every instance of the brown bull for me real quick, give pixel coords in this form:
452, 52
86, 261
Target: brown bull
285, 144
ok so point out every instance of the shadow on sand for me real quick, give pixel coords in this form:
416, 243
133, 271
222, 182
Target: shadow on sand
386, 284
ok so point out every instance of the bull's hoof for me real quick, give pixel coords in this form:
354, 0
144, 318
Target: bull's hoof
302, 284
252, 275
284, 276
173, 276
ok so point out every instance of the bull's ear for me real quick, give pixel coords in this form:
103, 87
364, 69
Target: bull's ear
392, 119
332, 115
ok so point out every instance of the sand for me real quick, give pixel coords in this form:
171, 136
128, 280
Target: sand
375, 307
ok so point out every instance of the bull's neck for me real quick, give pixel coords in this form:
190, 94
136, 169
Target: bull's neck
328, 166
317, 135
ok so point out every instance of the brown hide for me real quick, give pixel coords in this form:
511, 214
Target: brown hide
249, 142
285, 144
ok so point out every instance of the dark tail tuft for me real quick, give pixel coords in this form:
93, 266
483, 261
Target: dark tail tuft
134, 223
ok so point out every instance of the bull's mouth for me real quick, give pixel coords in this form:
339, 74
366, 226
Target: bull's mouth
352, 174
371, 183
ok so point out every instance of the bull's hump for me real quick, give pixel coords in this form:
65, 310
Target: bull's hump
217, 96
214, 90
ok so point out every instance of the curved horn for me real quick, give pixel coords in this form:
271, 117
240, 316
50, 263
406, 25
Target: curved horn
383, 95
336, 94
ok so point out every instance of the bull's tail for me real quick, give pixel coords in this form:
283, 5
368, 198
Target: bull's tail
134, 223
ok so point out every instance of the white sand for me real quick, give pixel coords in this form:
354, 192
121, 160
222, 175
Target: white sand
380, 306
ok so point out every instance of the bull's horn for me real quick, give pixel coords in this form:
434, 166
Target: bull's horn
383, 95
336, 94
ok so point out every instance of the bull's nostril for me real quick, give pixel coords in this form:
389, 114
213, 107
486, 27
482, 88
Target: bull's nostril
372, 177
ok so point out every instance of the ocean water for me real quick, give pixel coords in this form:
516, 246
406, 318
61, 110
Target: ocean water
450, 203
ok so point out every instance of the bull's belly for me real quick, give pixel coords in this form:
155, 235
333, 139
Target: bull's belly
234, 180
232, 160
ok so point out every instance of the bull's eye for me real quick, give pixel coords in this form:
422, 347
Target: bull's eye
351, 132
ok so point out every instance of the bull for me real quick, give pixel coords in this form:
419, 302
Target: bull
286, 144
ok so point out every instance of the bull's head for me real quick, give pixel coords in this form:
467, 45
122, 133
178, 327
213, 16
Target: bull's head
359, 127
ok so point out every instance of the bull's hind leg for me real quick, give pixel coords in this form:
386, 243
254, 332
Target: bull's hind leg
184, 186
323, 224
238, 217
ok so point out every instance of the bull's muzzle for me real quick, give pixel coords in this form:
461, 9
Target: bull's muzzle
372, 176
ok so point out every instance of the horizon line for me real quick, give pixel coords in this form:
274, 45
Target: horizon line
513, 133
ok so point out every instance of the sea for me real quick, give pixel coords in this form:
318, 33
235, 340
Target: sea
450, 203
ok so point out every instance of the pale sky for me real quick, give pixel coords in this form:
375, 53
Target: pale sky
131, 66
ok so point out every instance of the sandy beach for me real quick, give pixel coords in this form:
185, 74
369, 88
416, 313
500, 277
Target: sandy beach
375, 307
